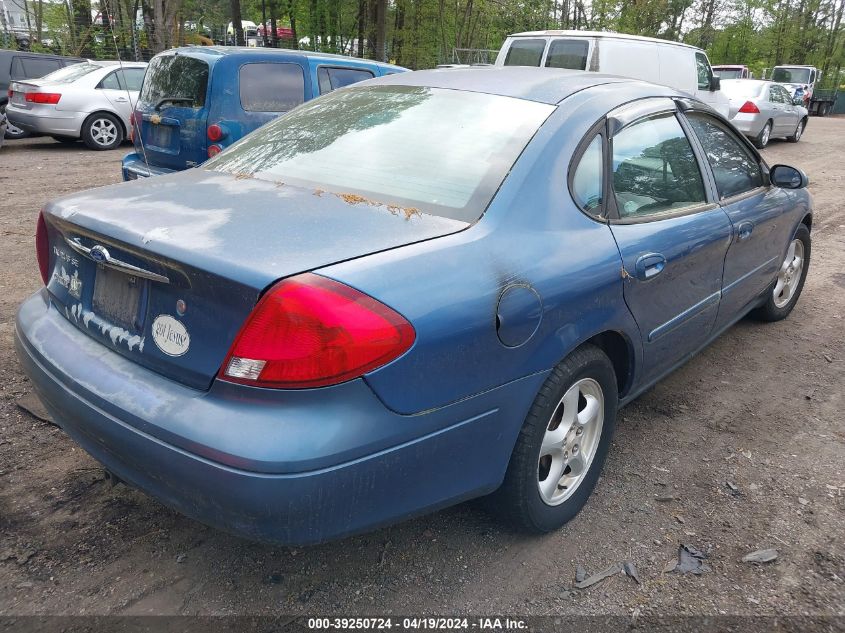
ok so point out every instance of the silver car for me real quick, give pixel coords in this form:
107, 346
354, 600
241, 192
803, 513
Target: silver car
763, 110
3, 124
91, 101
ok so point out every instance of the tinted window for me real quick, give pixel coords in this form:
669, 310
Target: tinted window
400, 148
734, 166
587, 181
175, 80
704, 73
271, 87
133, 78
725, 73
110, 82
525, 53
568, 54
334, 78
33, 67
654, 168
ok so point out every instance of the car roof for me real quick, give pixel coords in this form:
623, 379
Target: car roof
545, 85
246, 51
602, 34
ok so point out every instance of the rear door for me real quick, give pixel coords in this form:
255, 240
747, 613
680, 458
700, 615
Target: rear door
173, 111
671, 234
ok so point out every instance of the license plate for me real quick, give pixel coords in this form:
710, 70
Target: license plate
117, 297
162, 136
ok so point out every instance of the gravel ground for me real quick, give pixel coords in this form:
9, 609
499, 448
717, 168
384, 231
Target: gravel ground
742, 449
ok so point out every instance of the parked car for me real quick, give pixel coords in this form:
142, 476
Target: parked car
92, 101
343, 321
15, 65
764, 110
672, 64
3, 124
732, 71
196, 101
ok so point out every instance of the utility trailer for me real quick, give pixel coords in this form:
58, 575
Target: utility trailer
822, 101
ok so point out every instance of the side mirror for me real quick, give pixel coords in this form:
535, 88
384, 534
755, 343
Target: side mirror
715, 83
787, 177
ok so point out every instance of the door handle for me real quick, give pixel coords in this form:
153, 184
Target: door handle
650, 265
743, 231
121, 99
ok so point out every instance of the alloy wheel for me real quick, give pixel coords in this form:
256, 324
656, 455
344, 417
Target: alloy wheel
789, 275
104, 132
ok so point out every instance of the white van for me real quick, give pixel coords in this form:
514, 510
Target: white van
673, 64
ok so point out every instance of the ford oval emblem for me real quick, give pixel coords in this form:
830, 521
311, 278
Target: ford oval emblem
99, 253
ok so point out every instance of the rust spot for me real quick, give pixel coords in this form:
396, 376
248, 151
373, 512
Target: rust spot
351, 198
319, 193
394, 209
243, 175
625, 274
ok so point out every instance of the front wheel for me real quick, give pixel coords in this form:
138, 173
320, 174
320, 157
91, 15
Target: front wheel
562, 445
786, 288
102, 131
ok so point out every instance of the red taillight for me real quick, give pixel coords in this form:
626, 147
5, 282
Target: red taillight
310, 331
749, 108
9, 93
213, 150
51, 98
215, 132
42, 248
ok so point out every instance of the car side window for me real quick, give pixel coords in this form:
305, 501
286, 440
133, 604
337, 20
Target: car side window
111, 81
271, 87
568, 54
704, 72
588, 177
133, 78
654, 168
525, 53
774, 95
334, 78
734, 166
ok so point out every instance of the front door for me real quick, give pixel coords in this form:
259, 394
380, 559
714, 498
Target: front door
672, 238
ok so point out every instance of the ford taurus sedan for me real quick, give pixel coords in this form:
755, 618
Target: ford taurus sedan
91, 101
411, 292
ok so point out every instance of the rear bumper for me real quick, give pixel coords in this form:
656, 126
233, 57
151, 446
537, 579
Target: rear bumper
277, 466
134, 167
52, 121
749, 124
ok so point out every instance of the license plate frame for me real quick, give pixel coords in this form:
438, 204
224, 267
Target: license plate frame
117, 297
162, 136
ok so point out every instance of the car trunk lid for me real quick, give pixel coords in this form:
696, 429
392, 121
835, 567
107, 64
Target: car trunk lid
166, 271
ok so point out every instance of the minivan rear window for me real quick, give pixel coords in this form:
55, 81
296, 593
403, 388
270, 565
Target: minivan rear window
33, 67
271, 87
443, 152
175, 80
568, 54
525, 53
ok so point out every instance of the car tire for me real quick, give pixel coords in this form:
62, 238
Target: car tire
762, 139
67, 140
102, 131
12, 132
532, 497
799, 131
778, 304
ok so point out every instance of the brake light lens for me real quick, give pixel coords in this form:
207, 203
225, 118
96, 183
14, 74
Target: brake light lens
213, 150
310, 331
42, 248
749, 108
215, 132
51, 98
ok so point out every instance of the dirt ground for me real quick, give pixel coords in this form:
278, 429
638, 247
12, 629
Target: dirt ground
760, 410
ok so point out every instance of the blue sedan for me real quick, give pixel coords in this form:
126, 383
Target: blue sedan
411, 292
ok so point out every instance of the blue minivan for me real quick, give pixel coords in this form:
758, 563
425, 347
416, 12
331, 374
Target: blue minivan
196, 101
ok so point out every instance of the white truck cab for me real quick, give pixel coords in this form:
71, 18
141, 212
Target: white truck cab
673, 64
794, 77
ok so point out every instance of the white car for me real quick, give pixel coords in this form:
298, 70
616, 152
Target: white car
91, 100
672, 64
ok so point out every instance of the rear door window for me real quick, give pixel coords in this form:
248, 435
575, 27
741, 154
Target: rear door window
111, 81
175, 80
271, 87
525, 53
568, 54
33, 67
334, 78
133, 78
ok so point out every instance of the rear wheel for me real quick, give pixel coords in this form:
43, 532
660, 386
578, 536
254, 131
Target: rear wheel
102, 131
12, 132
784, 292
562, 445
762, 139
798, 132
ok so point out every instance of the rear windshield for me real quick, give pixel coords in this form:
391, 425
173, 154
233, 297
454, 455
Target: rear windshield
728, 73
791, 75
444, 152
69, 74
175, 80
568, 54
525, 53
742, 88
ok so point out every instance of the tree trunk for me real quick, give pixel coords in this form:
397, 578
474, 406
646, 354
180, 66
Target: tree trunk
362, 26
237, 22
